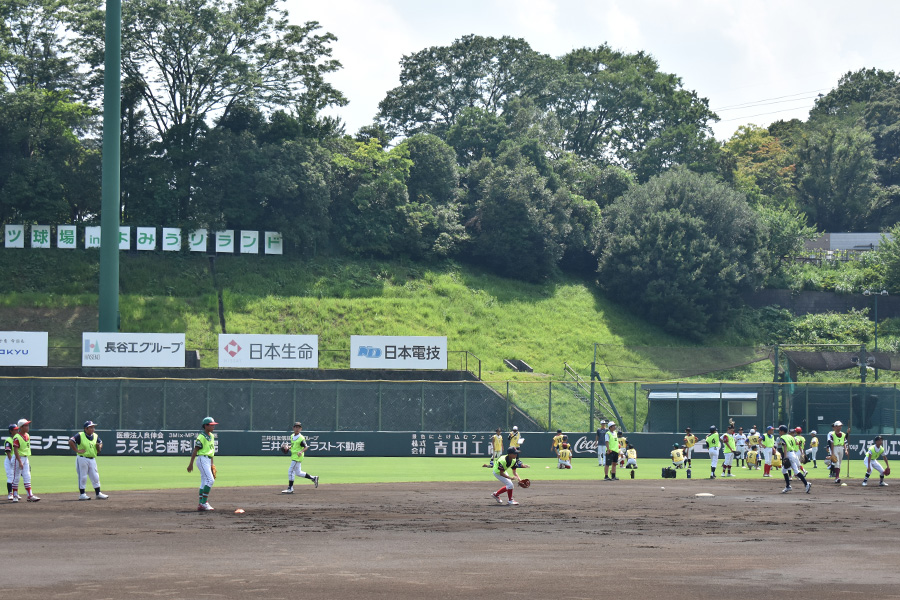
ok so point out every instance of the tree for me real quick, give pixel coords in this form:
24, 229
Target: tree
620, 108
437, 84
836, 177
679, 249
756, 163
853, 91
193, 61
882, 119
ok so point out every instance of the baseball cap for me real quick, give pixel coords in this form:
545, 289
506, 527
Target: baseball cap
13, 426
298, 424
782, 428
515, 427
813, 432
836, 423
798, 430
611, 423
23, 422
559, 431
675, 446
208, 421
89, 423
769, 427
512, 450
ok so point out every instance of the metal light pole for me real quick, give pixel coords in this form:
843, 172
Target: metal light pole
110, 204
875, 294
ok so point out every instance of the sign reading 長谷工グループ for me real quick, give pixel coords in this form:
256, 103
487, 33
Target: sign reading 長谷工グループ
132, 349
23, 348
398, 352
261, 351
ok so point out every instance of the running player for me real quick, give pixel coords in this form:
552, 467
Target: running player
8, 462
87, 445
790, 460
22, 451
502, 468
298, 449
875, 452
836, 444
713, 443
689, 440
204, 451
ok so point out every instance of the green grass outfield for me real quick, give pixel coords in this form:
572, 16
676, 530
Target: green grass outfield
52, 474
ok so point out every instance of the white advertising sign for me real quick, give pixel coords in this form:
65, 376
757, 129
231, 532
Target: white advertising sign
23, 348
274, 244
15, 236
146, 238
132, 349
260, 351
249, 242
398, 352
40, 236
92, 237
197, 240
124, 238
171, 239
225, 241
66, 237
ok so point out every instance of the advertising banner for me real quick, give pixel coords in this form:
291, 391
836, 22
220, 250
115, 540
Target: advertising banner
132, 349
259, 351
449, 444
23, 348
398, 352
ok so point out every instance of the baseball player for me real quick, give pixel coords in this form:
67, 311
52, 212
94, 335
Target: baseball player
740, 438
768, 449
601, 444
204, 451
677, 456
298, 449
514, 437
713, 443
565, 455
801, 448
87, 445
813, 448
557, 442
790, 459
9, 460
21, 465
836, 443
612, 452
503, 466
689, 440
875, 452
496, 447
729, 445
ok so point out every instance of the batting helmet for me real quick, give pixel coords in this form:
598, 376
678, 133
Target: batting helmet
782, 428
712, 428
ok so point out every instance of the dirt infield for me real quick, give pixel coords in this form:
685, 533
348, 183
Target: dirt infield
572, 540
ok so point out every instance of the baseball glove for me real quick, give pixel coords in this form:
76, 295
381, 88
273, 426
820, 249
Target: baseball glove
887, 471
525, 483
833, 458
286, 448
215, 471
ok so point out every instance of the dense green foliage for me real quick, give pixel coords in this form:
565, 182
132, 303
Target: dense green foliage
488, 152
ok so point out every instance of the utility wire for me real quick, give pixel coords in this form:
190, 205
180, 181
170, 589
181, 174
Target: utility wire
764, 100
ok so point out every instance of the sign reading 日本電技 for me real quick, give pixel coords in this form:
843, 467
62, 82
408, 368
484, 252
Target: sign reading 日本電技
398, 352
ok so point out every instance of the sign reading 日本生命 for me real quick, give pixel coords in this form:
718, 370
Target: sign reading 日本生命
398, 352
262, 351
23, 348
132, 349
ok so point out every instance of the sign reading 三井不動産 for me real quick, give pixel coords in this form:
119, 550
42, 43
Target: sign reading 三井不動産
398, 352
23, 348
261, 351
132, 349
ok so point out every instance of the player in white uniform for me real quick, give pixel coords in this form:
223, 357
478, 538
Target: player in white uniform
601, 443
813, 448
87, 445
790, 459
875, 452
836, 444
298, 450
740, 438
713, 443
21, 464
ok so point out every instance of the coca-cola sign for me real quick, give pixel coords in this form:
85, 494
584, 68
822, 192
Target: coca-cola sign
584, 446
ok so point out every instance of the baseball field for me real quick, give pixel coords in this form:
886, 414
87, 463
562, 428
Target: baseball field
415, 528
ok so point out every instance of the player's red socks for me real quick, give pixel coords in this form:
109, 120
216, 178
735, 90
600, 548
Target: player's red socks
509, 493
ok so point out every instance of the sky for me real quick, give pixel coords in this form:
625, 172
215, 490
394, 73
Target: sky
756, 61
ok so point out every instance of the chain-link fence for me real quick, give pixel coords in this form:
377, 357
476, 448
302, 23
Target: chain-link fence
261, 405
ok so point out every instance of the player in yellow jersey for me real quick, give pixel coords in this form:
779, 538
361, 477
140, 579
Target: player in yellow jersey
298, 451
565, 455
496, 447
677, 456
876, 451
813, 448
753, 458
557, 441
22, 451
689, 440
